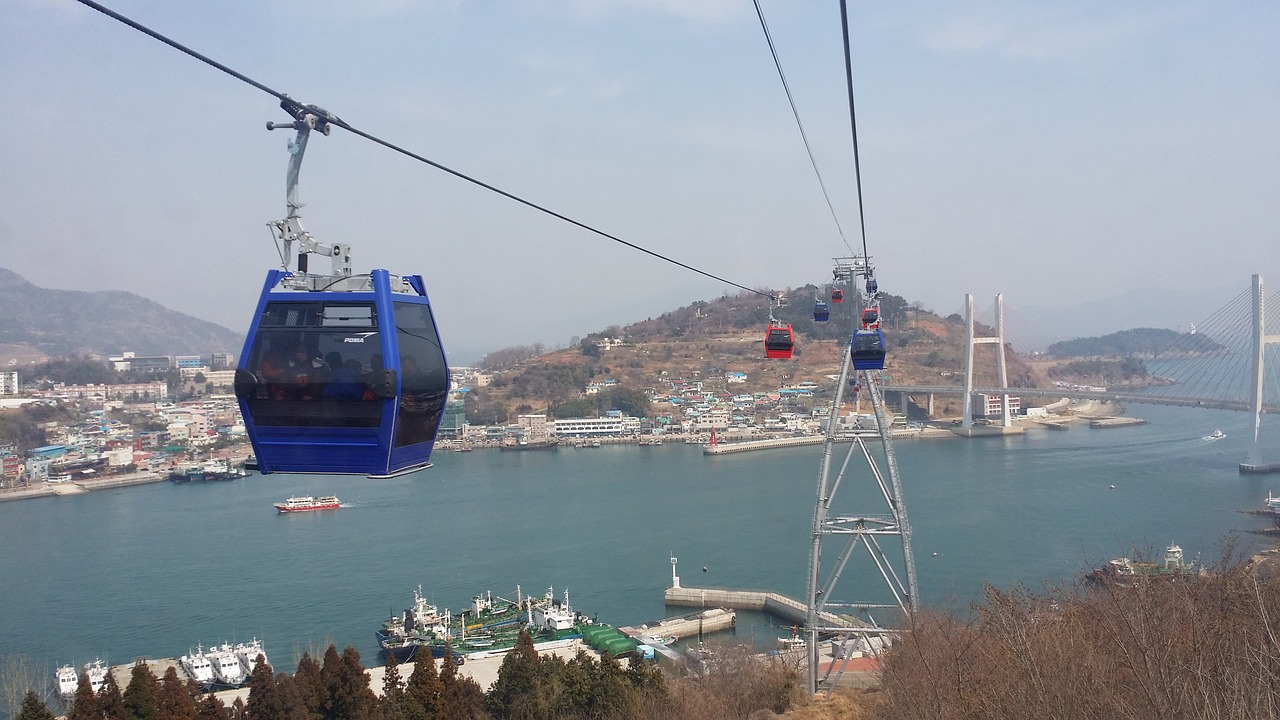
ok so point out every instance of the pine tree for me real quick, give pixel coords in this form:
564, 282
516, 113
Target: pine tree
141, 697
110, 700
264, 697
330, 670
309, 685
515, 693
211, 708
575, 686
611, 693
461, 698
646, 677
33, 708
291, 703
175, 702
350, 697
84, 706
237, 709
424, 689
392, 704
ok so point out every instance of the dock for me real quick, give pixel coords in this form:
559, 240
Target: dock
1115, 422
1259, 468
79, 486
722, 449
775, 604
695, 623
988, 431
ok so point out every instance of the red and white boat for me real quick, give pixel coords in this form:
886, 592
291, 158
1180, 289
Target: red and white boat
307, 503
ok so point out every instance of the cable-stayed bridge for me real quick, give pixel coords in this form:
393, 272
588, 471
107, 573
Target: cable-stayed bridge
1230, 361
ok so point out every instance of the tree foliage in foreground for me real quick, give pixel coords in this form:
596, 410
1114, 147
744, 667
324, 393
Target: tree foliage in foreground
529, 687
1189, 647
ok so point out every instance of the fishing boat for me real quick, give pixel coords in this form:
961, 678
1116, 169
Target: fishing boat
198, 667
1273, 503
489, 627
307, 503
227, 671
67, 680
1215, 435
1124, 571
248, 653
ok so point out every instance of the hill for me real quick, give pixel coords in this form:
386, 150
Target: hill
43, 322
1139, 342
710, 340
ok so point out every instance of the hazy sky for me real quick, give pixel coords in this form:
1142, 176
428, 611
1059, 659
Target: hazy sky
1054, 152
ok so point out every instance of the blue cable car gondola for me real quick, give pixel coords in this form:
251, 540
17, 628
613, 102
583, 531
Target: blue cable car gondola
821, 312
343, 382
868, 350
340, 373
779, 342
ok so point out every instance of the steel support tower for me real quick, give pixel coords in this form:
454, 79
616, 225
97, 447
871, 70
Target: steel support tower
858, 526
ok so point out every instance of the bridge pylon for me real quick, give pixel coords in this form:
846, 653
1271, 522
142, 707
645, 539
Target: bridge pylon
971, 339
1259, 351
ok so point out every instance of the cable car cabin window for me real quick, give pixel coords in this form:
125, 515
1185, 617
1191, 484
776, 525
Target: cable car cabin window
315, 364
779, 342
868, 350
424, 376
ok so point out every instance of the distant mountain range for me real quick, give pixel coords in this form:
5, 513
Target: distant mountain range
36, 321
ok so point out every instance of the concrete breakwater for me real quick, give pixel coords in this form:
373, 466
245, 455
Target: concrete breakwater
762, 444
775, 604
697, 623
1115, 422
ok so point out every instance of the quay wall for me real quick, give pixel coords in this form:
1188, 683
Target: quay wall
707, 621
773, 603
79, 486
1115, 422
763, 444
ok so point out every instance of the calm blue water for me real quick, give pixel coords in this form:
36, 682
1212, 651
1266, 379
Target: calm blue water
153, 570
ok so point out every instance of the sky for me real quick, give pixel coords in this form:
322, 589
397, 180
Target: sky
1057, 153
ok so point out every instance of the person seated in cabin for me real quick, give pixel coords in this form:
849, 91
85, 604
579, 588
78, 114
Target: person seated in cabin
307, 373
273, 371
375, 378
343, 382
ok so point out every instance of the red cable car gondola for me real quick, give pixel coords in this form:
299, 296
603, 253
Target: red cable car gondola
779, 342
837, 295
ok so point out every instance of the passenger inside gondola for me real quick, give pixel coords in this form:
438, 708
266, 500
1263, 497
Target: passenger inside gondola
344, 381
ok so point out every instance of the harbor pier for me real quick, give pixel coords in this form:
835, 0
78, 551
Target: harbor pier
775, 604
696, 623
763, 444
1259, 468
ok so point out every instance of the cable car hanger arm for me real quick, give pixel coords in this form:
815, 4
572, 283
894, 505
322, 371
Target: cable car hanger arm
290, 230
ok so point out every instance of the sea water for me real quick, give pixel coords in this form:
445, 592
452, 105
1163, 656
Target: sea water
154, 570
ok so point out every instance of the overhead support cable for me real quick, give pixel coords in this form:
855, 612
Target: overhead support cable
853, 123
293, 107
803, 136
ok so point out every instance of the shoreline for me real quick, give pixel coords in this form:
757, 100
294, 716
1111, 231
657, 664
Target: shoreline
78, 487
1091, 410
